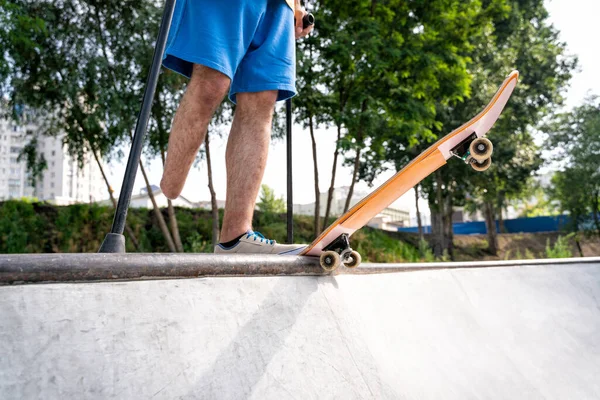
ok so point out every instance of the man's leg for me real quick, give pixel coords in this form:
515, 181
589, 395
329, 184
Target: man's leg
246, 158
204, 93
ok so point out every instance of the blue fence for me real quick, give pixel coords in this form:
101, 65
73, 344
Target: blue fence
518, 225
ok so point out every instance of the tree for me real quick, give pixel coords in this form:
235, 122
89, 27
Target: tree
419, 223
79, 68
575, 138
268, 202
533, 201
384, 66
547, 69
311, 106
518, 36
53, 63
428, 71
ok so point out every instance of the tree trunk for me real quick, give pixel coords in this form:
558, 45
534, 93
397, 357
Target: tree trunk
501, 226
172, 216
437, 218
437, 232
490, 226
359, 139
213, 195
448, 231
595, 203
174, 226
161, 220
419, 223
354, 177
128, 229
579, 249
333, 172
317, 219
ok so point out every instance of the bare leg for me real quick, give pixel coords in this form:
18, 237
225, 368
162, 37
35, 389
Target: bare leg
204, 93
246, 158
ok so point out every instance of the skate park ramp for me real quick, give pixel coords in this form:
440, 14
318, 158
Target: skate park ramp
452, 331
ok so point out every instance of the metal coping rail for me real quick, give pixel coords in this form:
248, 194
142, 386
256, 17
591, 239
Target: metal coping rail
90, 267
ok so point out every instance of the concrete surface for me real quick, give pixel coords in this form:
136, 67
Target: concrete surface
528, 332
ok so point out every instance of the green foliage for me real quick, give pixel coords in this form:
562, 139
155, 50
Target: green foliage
32, 227
19, 227
529, 254
392, 63
78, 68
519, 256
425, 251
36, 162
196, 243
560, 249
529, 43
512, 35
476, 250
391, 76
534, 202
575, 136
377, 246
445, 256
268, 202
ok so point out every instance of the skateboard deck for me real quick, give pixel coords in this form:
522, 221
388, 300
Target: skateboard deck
467, 142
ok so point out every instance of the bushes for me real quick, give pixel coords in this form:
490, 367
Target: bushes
20, 227
33, 227
377, 246
560, 249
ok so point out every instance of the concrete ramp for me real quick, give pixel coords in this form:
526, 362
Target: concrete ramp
492, 332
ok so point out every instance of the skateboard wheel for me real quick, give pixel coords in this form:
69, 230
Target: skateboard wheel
481, 149
481, 165
330, 261
354, 260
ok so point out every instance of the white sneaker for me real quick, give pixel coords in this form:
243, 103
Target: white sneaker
254, 242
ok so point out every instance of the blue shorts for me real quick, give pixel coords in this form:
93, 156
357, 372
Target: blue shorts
250, 41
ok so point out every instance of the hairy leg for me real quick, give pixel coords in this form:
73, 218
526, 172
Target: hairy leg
204, 93
246, 158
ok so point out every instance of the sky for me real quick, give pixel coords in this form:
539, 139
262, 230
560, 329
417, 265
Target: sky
577, 20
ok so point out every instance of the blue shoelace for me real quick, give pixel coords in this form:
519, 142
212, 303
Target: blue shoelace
258, 235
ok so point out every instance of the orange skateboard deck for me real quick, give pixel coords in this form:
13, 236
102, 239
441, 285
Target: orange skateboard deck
467, 142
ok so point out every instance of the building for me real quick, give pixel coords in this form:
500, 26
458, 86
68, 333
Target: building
61, 183
13, 173
142, 200
515, 208
337, 203
388, 219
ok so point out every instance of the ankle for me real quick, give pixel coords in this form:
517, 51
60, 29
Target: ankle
227, 237
232, 242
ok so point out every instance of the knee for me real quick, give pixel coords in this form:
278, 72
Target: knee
208, 86
258, 102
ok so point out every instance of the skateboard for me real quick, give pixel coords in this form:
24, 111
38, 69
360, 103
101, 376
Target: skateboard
467, 143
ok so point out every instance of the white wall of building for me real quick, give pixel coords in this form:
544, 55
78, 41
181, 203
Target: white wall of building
61, 183
388, 219
337, 204
13, 173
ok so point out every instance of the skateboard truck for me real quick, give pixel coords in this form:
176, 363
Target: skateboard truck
475, 151
339, 252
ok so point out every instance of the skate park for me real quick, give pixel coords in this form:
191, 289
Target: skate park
419, 270
171, 326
